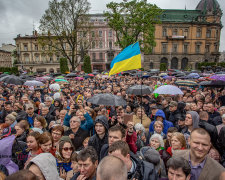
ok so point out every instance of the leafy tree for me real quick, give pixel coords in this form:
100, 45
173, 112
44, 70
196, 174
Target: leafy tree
65, 26
63, 65
87, 64
134, 21
162, 66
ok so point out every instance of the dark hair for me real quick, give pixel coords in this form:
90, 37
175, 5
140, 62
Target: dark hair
24, 174
172, 130
61, 144
8, 103
88, 152
42, 120
118, 128
120, 145
44, 138
179, 162
74, 156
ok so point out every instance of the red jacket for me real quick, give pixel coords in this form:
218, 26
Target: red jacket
131, 141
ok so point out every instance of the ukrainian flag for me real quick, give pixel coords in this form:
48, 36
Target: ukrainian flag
128, 59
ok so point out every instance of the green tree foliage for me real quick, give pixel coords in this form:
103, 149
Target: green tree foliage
134, 21
13, 70
63, 65
87, 64
162, 66
64, 27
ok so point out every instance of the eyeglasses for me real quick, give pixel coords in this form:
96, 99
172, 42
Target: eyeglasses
68, 149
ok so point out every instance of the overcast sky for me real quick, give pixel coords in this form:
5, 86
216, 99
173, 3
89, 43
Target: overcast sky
21, 16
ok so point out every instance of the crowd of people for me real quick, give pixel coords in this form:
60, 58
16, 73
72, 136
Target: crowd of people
50, 135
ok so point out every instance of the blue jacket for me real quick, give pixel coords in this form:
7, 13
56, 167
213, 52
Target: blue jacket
86, 125
166, 124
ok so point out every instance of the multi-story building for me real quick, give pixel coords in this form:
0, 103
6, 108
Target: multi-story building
6, 58
183, 39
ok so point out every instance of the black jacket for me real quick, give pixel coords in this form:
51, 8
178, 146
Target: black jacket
97, 143
166, 112
49, 118
79, 137
216, 121
21, 115
174, 117
143, 170
3, 114
212, 116
104, 151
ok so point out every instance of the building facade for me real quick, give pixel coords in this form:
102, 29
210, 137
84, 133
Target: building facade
183, 39
6, 58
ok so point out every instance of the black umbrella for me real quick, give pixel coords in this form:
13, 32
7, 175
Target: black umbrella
107, 100
216, 83
139, 90
71, 75
3, 75
12, 79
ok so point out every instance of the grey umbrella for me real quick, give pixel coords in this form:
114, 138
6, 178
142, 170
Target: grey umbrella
139, 90
11, 79
107, 100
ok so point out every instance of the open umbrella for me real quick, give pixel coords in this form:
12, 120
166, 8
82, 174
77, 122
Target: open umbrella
139, 90
168, 89
33, 83
59, 77
92, 75
107, 99
79, 78
12, 79
218, 77
61, 80
186, 83
71, 75
54, 87
193, 76
3, 75
214, 83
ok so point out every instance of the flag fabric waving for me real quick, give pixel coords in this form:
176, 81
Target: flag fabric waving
128, 59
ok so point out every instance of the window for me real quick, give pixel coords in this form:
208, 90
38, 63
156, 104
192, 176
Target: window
207, 48
164, 47
51, 58
26, 57
100, 56
110, 33
58, 57
93, 44
186, 32
92, 34
175, 32
93, 56
110, 44
174, 48
25, 47
198, 33
43, 48
186, 48
217, 34
100, 44
215, 47
208, 33
164, 32
36, 47
197, 48
100, 33
36, 57
110, 56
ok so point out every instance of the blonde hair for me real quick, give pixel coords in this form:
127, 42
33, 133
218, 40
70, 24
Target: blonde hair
12, 116
180, 137
159, 123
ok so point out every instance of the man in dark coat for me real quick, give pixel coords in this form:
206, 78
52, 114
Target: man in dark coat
212, 114
175, 115
101, 136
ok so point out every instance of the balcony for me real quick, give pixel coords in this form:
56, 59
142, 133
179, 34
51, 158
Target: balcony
98, 60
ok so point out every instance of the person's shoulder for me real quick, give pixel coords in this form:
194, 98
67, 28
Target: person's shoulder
213, 163
182, 153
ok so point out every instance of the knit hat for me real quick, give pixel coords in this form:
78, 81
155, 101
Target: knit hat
103, 120
151, 155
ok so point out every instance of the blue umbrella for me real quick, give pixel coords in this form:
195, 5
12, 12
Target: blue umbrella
168, 89
193, 76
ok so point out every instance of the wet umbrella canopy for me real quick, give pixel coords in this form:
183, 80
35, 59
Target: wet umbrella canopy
11, 79
168, 89
139, 90
107, 100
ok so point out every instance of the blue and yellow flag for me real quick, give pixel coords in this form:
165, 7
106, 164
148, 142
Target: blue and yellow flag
128, 59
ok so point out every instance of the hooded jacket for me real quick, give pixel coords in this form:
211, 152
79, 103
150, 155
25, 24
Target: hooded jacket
195, 122
95, 140
166, 124
47, 164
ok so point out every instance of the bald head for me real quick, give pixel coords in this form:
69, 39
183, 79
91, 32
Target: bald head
111, 168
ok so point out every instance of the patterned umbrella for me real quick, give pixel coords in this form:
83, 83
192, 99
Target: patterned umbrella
186, 83
218, 77
33, 83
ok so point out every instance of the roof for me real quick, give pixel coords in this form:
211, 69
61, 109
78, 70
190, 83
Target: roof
209, 6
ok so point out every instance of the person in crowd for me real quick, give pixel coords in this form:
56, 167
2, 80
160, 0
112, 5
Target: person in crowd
57, 132
18, 108
62, 114
10, 119
51, 108
141, 117
44, 167
24, 174
218, 127
101, 136
76, 134
178, 168
202, 166
7, 109
47, 114
40, 122
167, 141
165, 105
177, 143
115, 133
141, 137
74, 165
158, 129
21, 131
213, 114
45, 144
160, 116
175, 115
111, 168
140, 170
87, 164
30, 114
131, 137
63, 157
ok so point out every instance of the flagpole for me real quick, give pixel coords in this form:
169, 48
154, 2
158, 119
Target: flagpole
141, 96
